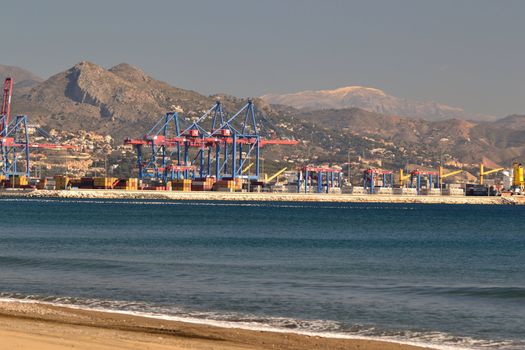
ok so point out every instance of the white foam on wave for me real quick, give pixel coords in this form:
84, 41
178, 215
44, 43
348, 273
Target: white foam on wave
429, 340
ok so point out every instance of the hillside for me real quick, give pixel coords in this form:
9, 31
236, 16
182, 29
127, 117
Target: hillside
22, 78
506, 137
372, 100
415, 140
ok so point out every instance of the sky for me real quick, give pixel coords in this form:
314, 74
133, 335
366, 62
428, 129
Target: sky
464, 53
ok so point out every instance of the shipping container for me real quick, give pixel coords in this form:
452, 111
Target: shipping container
130, 184
104, 182
61, 182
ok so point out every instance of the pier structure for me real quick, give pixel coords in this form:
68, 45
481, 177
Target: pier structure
215, 145
319, 179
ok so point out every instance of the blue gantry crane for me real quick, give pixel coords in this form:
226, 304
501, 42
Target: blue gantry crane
181, 149
14, 137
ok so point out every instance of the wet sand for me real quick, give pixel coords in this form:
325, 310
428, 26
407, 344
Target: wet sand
261, 197
33, 326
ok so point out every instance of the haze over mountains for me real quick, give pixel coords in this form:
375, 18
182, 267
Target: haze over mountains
372, 100
21, 77
123, 101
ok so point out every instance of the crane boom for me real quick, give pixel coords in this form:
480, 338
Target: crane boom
493, 171
247, 168
442, 174
482, 172
275, 175
452, 173
6, 100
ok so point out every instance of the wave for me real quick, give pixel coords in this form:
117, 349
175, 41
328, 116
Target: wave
320, 328
490, 292
222, 203
508, 292
64, 263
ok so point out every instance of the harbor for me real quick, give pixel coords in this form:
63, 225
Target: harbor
194, 163
221, 151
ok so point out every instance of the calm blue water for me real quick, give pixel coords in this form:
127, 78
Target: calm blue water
448, 275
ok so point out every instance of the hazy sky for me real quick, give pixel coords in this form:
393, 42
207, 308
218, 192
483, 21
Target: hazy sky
469, 54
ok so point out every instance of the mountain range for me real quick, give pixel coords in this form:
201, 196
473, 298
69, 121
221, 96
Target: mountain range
372, 100
123, 101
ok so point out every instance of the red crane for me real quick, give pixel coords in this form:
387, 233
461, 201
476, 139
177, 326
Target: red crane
14, 140
6, 112
6, 100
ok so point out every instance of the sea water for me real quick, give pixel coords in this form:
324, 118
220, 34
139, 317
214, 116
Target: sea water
451, 276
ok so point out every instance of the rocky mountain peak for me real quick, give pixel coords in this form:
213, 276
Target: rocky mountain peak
130, 73
94, 85
86, 64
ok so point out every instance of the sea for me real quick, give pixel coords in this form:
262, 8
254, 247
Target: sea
447, 276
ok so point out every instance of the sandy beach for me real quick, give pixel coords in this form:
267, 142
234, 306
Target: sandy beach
30, 326
261, 197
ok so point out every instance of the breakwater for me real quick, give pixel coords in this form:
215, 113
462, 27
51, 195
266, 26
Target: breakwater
263, 197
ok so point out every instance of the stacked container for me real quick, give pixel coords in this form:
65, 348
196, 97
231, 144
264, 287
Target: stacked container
157, 186
75, 182
228, 185
86, 182
104, 183
181, 185
205, 184
238, 184
18, 180
61, 182
42, 184
131, 184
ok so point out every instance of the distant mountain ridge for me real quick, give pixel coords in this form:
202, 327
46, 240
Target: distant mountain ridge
499, 142
372, 100
21, 77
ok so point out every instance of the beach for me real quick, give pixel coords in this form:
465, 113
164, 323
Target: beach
31, 326
263, 197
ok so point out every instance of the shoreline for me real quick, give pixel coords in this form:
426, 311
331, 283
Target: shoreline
25, 325
261, 197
